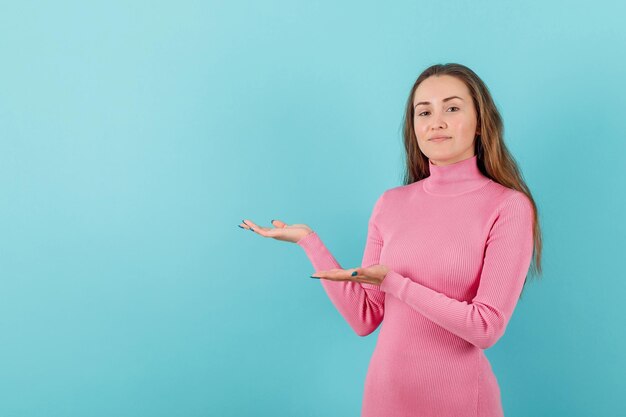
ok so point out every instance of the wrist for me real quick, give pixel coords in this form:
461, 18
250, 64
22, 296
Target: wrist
302, 237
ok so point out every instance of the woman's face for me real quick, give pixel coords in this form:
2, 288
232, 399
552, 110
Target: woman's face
436, 114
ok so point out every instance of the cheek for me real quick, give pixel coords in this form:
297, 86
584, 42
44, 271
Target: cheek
466, 127
419, 129
419, 134
470, 121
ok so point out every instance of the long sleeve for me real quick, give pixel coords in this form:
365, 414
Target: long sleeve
361, 305
507, 257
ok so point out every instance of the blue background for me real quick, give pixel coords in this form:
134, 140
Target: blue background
135, 136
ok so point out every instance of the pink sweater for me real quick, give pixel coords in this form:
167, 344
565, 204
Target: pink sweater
458, 246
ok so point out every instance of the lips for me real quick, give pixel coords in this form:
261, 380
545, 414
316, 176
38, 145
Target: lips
439, 138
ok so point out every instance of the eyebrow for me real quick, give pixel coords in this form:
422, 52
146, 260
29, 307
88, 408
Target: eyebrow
444, 100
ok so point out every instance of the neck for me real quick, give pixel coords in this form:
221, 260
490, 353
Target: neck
456, 178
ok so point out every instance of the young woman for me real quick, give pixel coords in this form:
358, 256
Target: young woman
446, 256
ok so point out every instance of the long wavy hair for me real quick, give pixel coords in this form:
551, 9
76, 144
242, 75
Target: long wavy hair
493, 158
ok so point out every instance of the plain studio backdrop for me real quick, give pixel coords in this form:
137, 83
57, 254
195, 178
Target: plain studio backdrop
135, 136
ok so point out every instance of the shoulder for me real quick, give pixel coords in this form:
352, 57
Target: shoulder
391, 196
502, 196
398, 192
514, 198
514, 204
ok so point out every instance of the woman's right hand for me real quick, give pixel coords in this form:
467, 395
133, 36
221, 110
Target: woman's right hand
281, 231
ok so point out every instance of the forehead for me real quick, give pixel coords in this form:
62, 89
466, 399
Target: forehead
436, 88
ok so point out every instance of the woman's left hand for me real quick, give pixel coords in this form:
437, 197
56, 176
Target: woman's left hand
371, 275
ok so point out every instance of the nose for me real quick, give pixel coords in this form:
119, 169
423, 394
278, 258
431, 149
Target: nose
438, 122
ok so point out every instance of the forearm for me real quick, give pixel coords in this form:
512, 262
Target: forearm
362, 308
478, 323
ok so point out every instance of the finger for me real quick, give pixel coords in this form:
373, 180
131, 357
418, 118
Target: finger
278, 223
333, 275
342, 273
330, 272
362, 279
319, 274
331, 278
255, 228
359, 278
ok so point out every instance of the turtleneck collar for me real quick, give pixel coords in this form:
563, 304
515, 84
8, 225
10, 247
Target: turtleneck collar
457, 178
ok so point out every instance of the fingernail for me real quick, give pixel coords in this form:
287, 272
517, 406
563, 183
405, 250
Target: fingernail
315, 277
272, 221
241, 226
252, 229
354, 274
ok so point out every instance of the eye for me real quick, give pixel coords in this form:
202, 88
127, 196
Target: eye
451, 107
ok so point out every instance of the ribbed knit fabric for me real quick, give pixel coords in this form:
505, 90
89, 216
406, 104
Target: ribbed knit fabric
458, 246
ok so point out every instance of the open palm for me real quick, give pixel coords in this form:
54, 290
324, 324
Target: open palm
280, 231
374, 274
